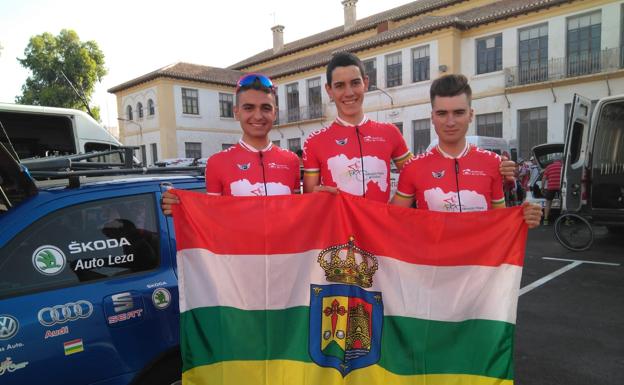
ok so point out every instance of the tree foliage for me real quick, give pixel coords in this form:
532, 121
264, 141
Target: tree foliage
48, 57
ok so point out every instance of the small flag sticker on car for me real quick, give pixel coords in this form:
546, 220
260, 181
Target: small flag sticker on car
73, 346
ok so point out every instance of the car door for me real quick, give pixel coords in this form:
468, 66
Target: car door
85, 294
575, 174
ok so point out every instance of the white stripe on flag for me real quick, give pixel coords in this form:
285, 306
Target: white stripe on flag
444, 293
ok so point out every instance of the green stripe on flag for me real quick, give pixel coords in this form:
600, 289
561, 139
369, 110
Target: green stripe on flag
410, 346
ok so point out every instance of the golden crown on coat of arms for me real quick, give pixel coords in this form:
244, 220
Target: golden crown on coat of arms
348, 270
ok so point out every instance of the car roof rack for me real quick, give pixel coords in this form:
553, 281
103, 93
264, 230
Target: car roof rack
72, 167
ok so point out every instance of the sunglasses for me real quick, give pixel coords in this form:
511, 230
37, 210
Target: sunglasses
250, 79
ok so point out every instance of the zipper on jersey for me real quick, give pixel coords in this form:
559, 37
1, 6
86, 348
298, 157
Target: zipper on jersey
457, 183
357, 133
266, 192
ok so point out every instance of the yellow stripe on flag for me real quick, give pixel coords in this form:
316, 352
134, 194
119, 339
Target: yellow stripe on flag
284, 372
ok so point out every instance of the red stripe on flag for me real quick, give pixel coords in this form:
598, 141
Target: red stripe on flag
294, 223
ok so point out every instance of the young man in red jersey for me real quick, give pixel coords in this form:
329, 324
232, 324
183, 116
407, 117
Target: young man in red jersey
354, 153
455, 176
254, 166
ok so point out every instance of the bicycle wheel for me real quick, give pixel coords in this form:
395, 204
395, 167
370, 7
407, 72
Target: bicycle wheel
574, 232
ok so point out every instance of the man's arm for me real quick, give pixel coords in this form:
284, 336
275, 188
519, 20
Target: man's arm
402, 201
312, 183
401, 162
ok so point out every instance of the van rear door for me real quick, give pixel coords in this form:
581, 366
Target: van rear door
607, 155
573, 188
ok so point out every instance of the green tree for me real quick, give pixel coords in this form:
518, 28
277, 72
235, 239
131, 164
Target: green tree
64, 71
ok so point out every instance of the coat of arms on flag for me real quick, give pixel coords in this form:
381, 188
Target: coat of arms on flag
346, 320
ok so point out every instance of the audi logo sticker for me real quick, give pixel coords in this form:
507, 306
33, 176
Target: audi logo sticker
59, 314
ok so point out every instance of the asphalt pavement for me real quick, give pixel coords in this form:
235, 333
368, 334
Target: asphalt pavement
570, 326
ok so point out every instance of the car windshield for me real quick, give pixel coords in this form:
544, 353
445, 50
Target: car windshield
547, 159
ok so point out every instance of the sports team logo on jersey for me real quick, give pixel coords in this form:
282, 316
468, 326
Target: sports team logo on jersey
438, 174
244, 167
342, 142
369, 138
345, 319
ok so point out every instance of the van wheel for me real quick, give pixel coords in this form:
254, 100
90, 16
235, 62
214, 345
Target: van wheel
167, 372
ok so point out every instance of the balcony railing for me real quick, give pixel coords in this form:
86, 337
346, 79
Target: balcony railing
587, 63
300, 114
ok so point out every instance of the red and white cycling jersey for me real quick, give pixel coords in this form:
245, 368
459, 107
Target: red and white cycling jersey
439, 182
241, 170
345, 162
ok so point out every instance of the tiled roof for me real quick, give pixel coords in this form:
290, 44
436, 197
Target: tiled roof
464, 20
408, 10
186, 71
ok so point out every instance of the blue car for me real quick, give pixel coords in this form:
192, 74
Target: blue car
88, 284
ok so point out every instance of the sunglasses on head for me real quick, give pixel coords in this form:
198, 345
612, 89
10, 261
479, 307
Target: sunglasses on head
250, 79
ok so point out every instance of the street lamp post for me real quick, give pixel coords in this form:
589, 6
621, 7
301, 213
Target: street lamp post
375, 88
141, 145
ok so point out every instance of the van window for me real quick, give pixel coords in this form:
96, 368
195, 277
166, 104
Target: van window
576, 142
608, 158
35, 135
86, 242
111, 158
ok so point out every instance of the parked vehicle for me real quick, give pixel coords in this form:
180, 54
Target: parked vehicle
593, 171
88, 281
544, 155
497, 145
36, 131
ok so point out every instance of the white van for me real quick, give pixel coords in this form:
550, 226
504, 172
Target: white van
497, 145
36, 131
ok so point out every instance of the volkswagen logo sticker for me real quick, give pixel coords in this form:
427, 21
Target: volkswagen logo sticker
8, 327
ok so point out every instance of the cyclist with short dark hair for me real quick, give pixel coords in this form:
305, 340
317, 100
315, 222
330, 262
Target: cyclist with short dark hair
254, 166
455, 176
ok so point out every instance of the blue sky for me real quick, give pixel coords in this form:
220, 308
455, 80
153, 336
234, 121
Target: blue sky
139, 36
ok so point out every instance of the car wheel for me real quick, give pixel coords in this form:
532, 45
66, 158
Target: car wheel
166, 372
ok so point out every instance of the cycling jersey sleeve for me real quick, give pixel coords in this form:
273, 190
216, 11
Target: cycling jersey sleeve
400, 152
498, 195
407, 182
311, 164
214, 185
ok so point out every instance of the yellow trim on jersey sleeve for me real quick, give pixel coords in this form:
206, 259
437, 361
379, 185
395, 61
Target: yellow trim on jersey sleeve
403, 195
314, 171
403, 157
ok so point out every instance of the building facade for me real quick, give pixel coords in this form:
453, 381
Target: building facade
525, 59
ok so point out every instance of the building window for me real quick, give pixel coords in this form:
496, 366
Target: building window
422, 135
292, 102
190, 101
294, 144
225, 146
143, 154
129, 112
533, 129
140, 110
490, 54
192, 150
226, 105
533, 54
370, 70
277, 142
622, 36
394, 70
490, 125
154, 149
583, 44
314, 98
399, 125
420, 64
150, 107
